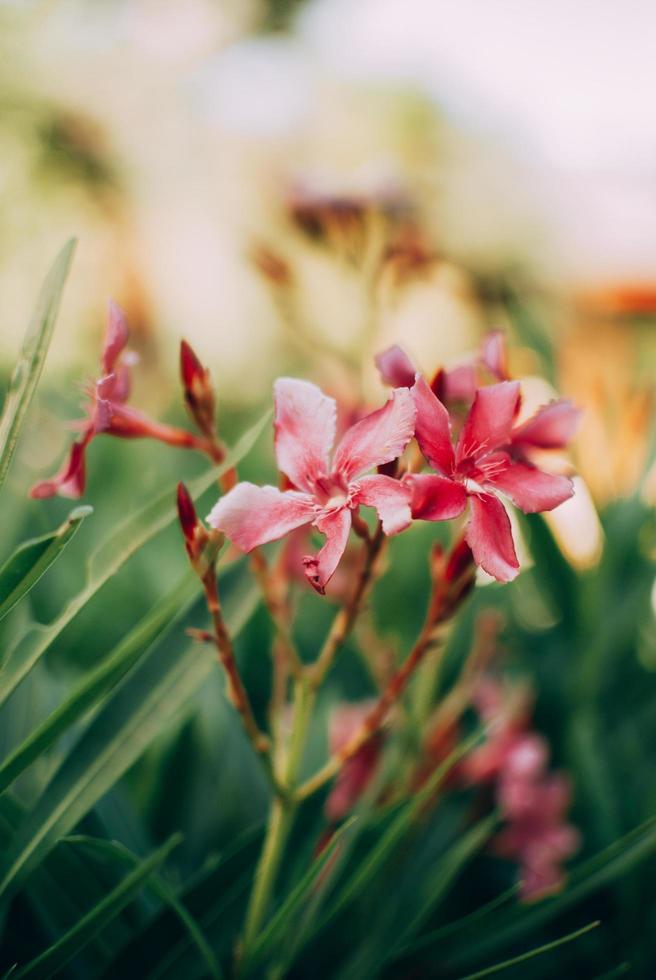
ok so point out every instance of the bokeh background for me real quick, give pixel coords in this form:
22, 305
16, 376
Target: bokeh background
511, 149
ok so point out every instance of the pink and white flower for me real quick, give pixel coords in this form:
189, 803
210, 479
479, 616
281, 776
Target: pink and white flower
325, 494
491, 456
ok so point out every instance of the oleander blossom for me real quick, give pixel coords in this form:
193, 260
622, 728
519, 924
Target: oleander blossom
108, 414
454, 386
492, 456
532, 800
323, 494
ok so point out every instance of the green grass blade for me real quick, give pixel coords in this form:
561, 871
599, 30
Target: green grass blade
401, 824
146, 702
102, 679
446, 872
532, 953
159, 887
600, 871
33, 558
53, 959
109, 558
272, 935
32, 357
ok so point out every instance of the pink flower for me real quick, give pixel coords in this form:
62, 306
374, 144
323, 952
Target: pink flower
358, 771
324, 494
533, 802
491, 457
108, 413
458, 384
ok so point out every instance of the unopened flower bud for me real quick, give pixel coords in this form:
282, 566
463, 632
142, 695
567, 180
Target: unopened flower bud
195, 535
198, 390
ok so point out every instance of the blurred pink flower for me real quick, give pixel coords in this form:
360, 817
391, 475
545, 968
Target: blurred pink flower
108, 413
533, 802
324, 494
358, 771
489, 458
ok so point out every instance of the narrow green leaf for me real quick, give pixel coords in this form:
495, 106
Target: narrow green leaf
102, 679
531, 953
109, 558
146, 701
53, 959
396, 831
275, 931
33, 558
598, 872
161, 950
116, 851
32, 357
445, 874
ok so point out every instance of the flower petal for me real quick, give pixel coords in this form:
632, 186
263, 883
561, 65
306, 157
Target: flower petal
395, 367
433, 428
319, 569
494, 355
531, 489
304, 425
249, 515
456, 385
490, 419
377, 438
435, 498
552, 427
70, 480
390, 498
490, 537
116, 337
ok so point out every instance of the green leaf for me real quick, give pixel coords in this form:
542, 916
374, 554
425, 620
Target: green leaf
396, 831
33, 558
109, 558
278, 927
56, 956
102, 679
147, 701
33, 354
118, 852
508, 927
215, 898
531, 953
445, 874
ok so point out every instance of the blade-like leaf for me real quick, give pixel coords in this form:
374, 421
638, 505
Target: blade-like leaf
101, 679
146, 701
54, 958
32, 357
33, 558
445, 874
109, 557
271, 937
531, 953
161, 950
119, 853
509, 926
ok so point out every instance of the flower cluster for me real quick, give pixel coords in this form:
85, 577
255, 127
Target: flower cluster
492, 456
107, 411
532, 801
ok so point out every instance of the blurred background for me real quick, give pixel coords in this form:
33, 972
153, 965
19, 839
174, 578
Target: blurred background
176, 139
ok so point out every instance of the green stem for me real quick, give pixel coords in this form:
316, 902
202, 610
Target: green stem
280, 820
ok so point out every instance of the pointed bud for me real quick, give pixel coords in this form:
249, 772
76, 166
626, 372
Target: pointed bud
198, 391
195, 535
